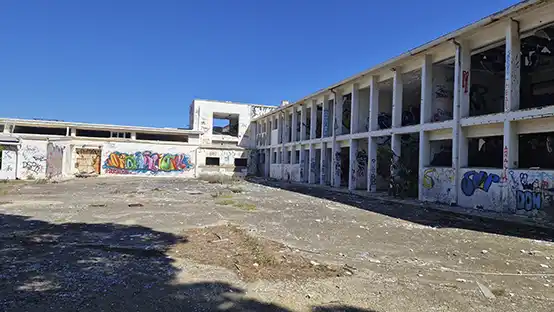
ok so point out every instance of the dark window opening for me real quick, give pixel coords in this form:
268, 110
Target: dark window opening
536, 150
162, 137
441, 153
289, 155
241, 162
121, 135
485, 152
297, 157
1, 128
212, 161
225, 124
274, 158
93, 133
1, 153
346, 113
40, 130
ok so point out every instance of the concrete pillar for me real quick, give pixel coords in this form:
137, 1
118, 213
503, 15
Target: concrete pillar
325, 117
456, 129
337, 123
397, 91
313, 120
73, 132
303, 118
372, 164
373, 103
426, 89
323, 164
395, 145
312, 177
511, 99
424, 159
336, 166
134, 136
463, 103
352, 181
355, 109
303, 173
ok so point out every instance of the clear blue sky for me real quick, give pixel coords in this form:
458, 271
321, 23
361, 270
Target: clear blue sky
142, 62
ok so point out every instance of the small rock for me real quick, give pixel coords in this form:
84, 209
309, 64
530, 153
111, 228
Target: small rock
341, 254
547, 258
512, 294
544, 266
546, 285
484, 251
374, 261
314, 263
486, 291
523, 251
461, 280
256, 265
519, 272
420, 275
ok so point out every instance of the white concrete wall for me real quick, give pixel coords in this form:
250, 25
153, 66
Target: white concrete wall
438, 185
8, 166
54, 160
31, 160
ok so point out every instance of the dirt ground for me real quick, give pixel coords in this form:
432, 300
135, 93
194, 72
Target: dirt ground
157, 244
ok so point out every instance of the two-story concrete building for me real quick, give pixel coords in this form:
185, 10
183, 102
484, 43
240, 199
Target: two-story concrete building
35, 149
469, 117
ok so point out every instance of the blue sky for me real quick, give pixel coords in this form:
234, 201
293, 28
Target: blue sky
142, 62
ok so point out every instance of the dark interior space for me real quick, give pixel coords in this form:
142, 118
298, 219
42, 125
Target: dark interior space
41, 130
162, 137
344, 166
94, 133
536, 150
485, 152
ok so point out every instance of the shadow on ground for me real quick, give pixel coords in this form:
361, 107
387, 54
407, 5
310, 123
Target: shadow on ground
104, 267
424, 216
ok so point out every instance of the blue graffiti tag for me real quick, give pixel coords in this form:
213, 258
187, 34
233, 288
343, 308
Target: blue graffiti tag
473, 180
529, 200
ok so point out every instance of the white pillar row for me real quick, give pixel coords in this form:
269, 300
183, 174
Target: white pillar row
313, 119
355, 108
456, 129
372, 164
353, 164
373, 103
325, 117
294, 125
322, 164
312, 167
397, 91
337, 123
303, 118
511, 99
426, 89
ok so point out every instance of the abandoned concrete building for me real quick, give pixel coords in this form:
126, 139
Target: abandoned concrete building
466, 119
37, 149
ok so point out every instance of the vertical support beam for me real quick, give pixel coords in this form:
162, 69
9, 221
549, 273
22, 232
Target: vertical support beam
303, 118
373, 103
336, 165
337, 123
355, 109
312, 165
325, 117
372, 164
322, 164
313, 120
456, 129
464, 102
396, 145
303, 173
426, 89
397, 91
294, 124
352, 181
511, 100
424, 159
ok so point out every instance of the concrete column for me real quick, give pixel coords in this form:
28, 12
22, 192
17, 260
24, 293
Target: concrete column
336, 166
373, 103
511, 99
426, 89
396, 145
325, 117
312, 177
134, 135
371, 164
352, 181
464, 102
303, 118
355, 109
73, 132
313, 120
424, 159
456, 129
337, 123
322, 164
397, 91
303, 173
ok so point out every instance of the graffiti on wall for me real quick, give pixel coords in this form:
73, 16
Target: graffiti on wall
373, 175
361, 161
533, 190
428, 181
34, 160
438, 184
325, 122
338, 169
473, 180
146, 162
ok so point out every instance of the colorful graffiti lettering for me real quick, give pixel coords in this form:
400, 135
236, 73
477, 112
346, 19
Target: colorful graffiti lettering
473, 180
148, 162
529, 200
428, 181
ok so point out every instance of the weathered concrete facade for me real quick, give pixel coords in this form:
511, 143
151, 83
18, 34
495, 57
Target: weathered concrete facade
467, 119
38, 149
